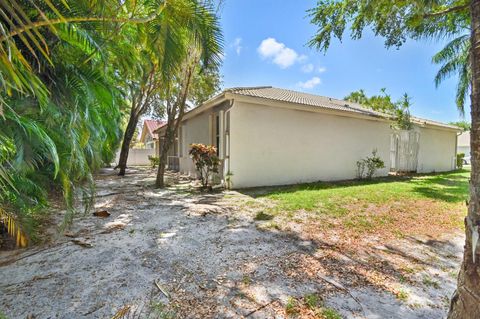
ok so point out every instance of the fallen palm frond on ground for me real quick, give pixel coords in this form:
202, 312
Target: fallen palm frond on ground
13, 229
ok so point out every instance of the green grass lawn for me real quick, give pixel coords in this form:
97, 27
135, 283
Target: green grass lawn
367, 205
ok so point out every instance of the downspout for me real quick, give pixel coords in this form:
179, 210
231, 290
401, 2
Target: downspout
227, 135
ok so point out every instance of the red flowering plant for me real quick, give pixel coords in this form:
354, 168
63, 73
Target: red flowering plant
206, 161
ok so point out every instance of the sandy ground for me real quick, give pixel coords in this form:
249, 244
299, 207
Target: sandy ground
191, 255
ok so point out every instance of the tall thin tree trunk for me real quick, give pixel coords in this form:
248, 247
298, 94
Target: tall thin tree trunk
168, 140
466, 300
127, 139
174, 123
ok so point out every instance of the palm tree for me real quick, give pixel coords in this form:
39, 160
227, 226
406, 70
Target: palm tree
61, 98
186, 29
454, 59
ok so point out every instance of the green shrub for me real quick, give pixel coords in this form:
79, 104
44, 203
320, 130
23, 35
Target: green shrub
206, 161
460, 157
154, 160
367, 167
291, 306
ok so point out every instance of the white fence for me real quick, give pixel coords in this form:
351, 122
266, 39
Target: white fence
404, 151
137, 156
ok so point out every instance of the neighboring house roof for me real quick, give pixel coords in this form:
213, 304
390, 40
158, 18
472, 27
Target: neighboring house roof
150, 126
464, 139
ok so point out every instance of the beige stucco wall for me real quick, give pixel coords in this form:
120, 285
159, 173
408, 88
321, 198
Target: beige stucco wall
437, 150
193, 130
272, 145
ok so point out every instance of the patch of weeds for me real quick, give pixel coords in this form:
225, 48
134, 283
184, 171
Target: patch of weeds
428, 281
402, 279
453, 274
246, 280
360, 223
160, 311
260, 216
242, 295
2, 316
399, 234
402, 295
312, 301
273, 225
291, 306
330, 313
408, 270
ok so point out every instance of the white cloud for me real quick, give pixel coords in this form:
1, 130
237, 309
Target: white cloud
279, 53
308, 68
302, 58
310, 84
237, 45
322, 69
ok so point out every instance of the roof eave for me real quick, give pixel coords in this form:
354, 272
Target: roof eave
304, 107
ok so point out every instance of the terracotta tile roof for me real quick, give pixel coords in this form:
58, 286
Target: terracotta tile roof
271, 93
284, 95
152, 126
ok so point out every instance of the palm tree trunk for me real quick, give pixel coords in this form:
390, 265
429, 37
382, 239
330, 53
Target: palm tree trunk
127, 139
466, 300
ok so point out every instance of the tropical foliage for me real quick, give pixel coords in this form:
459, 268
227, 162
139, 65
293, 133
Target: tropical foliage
164, 48
383, 102
465, 125
454, 60
70, 72
196, 83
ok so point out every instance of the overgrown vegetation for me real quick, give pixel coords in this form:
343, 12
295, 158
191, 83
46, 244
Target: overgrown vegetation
383, 102
206, 161
69, 81
367, 167
154, 160
460, 159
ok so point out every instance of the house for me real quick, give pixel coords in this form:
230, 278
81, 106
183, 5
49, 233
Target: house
463, 145
271, 136
139, 156
148, 136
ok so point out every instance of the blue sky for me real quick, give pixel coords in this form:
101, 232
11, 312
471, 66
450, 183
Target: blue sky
265, 44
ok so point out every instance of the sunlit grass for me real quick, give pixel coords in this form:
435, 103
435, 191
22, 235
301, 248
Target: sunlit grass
367, 206
449, 187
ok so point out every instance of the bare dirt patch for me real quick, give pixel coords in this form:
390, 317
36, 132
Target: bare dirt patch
213, 258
